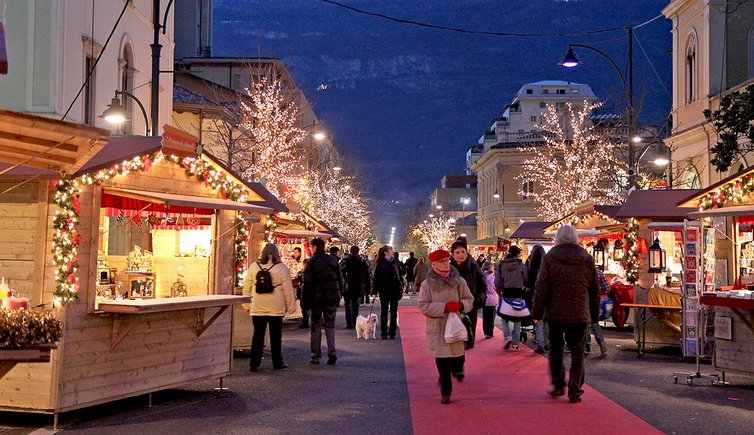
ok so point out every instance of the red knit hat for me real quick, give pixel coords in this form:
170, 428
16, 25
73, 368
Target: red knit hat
438, 255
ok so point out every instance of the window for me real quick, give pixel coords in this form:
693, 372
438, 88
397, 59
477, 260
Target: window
542, 105
529, 91
545, 91
575, 91
690, 73
126, 85
560, 91
533, 118
89, 100
527, 189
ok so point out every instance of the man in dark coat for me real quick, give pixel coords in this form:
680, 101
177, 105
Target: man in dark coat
410, 275
472, 274
356, 274
567, 297
323, 286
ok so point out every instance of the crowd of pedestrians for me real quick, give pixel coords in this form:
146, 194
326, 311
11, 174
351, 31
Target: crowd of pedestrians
557, 293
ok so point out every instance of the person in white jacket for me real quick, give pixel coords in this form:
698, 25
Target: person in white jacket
269, 308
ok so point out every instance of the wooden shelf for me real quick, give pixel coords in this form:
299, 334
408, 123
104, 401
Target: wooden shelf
142, 306
714, 301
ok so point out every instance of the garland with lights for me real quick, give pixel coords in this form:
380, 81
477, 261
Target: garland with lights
309, 224
734, 191
630, 254
575, 220
66, 240
269, 228
242, 250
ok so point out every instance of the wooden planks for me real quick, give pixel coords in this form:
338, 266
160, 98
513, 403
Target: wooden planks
737, 354
139, 306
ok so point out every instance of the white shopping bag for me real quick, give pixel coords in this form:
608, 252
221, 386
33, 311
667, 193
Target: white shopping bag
455, 330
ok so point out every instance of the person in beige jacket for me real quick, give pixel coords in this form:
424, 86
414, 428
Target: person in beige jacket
444, 293
269, 308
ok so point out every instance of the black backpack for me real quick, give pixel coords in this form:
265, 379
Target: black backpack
264, 280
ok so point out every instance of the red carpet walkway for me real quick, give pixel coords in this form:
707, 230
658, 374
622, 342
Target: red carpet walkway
504, 392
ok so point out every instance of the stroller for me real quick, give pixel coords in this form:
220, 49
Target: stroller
527, 323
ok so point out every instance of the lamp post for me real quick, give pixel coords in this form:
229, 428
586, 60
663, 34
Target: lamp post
116, 113
497, 195
464, 202
570, 61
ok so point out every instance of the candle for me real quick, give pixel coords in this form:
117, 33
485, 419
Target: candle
13, 303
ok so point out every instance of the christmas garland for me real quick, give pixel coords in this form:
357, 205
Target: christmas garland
309, 224
66, 240
269, 228
630, 254
583, 218
734, 191
23, 328
242, 250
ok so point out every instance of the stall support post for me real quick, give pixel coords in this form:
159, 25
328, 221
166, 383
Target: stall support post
221, 388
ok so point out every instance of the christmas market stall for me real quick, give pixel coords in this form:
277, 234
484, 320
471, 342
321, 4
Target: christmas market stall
602, 234
718, 296
140, 247
653, 257
529, 234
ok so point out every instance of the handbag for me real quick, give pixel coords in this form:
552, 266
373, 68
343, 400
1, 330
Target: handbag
513, 308
455, 330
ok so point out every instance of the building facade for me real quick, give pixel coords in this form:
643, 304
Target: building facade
52, 50
457, 198
713, 55
504, 201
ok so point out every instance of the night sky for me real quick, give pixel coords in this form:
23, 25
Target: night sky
404, 103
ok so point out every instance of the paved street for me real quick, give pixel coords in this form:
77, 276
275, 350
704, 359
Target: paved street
366, 392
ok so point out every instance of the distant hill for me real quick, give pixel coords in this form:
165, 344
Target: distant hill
405, 102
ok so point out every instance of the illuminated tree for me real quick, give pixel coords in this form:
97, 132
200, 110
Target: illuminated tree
270, 119
436, 233
576, 163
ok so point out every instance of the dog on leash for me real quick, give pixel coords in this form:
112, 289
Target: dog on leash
366, 327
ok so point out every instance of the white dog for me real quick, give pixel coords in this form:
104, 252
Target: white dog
366, 327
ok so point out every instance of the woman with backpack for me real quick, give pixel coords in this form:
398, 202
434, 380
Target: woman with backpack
268, 282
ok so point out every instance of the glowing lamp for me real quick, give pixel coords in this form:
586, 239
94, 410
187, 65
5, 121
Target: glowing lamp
656, 258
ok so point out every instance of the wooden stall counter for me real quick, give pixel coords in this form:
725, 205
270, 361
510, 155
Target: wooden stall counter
142, 306
734, 334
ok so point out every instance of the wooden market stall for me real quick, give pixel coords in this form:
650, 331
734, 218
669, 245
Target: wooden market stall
653, 215
721, 289
130, 325
529, 234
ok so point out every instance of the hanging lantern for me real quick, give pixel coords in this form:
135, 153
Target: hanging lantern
656, 258
599, 255
618, 250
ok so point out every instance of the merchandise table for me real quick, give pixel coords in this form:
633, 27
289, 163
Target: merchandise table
643, 319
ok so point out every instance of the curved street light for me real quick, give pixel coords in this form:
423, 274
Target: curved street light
116, 113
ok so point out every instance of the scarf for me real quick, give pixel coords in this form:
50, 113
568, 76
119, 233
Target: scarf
443, 275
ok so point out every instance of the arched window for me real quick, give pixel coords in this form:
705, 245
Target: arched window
751, 52
126, 73
690, 179
690, 70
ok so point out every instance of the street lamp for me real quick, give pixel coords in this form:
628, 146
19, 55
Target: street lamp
464, 202
319, 136
116, 113
570, 60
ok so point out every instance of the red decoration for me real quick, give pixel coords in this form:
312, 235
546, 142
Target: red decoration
193, 221
76, 205
136, 219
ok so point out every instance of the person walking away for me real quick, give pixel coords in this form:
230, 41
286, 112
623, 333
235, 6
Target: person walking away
567, 298
490, 305
401, 266
356, 274
480, 260
420, 273
511, 277
323, 286
299, 294
410, 272
472, 274
596, 328
444, 293
388, 284
533, 263
268, 282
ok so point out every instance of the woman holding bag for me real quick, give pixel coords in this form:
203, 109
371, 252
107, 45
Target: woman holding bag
444, 293
512, 276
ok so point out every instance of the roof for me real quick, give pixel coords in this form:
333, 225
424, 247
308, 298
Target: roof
35, 141
120, 148
692, 199
178, 200
488, 241
656, 204
531, 230
182, 95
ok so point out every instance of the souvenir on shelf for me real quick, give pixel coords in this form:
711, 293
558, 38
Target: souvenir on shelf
179, 288
135, 259
147, 261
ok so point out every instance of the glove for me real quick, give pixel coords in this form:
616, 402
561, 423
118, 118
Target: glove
453, 306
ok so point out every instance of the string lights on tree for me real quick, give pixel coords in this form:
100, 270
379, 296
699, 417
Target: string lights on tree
436, 233
576, 163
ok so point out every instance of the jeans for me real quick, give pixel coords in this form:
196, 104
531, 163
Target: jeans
257, 340
446, 367
512, 335
541, 330
323, 316
352, 311
575, 338
391, 305
488, 321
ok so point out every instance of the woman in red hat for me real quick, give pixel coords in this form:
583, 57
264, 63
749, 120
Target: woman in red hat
443, 292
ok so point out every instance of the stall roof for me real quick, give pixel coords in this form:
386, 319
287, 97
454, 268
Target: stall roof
585, 209
119, 149
531, 230
37, 142
303, 233
738, 210
488, 241
692, 200
185, 200
656, 204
